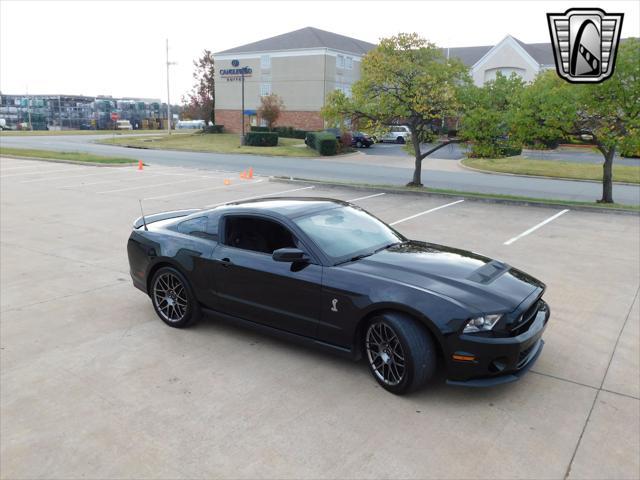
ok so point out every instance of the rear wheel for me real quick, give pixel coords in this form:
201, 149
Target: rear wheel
172, 298
400, 140
400, 352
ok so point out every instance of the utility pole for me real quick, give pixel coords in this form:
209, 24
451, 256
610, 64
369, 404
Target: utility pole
60, 111
29, 109
242, 113
168, 104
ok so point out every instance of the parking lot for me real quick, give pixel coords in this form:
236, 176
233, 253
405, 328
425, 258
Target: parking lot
94, 385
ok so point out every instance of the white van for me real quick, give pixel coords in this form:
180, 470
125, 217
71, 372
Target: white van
397, 134
124, 125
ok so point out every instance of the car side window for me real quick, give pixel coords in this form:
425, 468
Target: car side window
257, 234
198, 227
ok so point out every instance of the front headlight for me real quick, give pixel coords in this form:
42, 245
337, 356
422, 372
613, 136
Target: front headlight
481, 324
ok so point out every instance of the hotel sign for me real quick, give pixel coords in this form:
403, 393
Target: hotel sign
236, 73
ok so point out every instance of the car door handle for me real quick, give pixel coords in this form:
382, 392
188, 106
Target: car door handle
225, 262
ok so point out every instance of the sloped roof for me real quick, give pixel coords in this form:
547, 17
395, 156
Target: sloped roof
308, 37
468, 55
540, 52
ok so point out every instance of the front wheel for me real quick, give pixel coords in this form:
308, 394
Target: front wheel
172, 298
358, 144
400, 352
400, 140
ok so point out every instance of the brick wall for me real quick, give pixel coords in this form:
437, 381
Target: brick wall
231, 119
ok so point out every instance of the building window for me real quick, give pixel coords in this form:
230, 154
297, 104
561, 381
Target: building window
265, 61
349, 63
265, 89
340, 61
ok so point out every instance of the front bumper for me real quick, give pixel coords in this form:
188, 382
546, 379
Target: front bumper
497, 360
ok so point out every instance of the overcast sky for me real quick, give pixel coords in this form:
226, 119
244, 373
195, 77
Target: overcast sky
118, 48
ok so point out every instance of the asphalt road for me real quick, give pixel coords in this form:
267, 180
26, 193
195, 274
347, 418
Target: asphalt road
339, 169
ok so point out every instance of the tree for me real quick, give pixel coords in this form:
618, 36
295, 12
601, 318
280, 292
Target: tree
609, 112
201, 101
487, 120
407, 80
271, 107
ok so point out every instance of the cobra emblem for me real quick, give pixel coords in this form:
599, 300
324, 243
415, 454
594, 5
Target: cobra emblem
334, 305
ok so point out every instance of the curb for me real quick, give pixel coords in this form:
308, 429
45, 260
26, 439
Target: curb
72, 162
465, 195
490, 172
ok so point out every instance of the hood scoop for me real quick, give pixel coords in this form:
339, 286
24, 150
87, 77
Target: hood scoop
488, 272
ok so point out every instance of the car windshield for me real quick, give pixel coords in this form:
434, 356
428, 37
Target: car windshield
347, 232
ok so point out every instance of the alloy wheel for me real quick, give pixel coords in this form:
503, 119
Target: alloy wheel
170, 297
385, 354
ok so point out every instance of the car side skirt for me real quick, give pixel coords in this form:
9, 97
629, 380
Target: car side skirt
300, 339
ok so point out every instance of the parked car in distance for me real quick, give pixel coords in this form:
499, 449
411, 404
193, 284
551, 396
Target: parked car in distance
191, 124
326, 273
124, 125
361, 139
396, 134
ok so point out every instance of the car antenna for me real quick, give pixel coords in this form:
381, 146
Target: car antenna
144, 222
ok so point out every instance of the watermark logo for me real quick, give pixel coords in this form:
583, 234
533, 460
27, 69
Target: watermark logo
585, 43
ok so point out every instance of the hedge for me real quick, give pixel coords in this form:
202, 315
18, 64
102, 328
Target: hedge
284, 132
325, 143
261, 139
213, 129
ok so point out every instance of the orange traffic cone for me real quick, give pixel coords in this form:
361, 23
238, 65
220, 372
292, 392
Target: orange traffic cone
250, 173
140, 165
227, 181
243, 175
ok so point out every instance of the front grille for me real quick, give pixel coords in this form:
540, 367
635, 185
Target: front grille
527, 318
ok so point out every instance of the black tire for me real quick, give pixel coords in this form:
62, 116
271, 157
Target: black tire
400, 140
358, 144
418, 349
189, 314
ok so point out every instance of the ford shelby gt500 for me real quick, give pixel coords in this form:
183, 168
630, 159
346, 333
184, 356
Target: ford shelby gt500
325, 272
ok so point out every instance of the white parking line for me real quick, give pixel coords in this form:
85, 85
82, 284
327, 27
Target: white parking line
138, 187
201, 190
48, 179
535, 227
425, 212
364, 198
258, 196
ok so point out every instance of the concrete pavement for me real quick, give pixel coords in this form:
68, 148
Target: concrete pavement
94, 385
357, 169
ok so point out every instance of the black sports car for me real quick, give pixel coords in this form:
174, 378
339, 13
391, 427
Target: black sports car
326, 272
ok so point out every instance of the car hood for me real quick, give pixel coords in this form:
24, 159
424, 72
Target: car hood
466, 277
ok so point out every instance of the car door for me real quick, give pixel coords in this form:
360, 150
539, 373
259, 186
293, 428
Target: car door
249, 284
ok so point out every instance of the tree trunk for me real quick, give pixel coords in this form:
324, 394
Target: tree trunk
607, 176
417, 172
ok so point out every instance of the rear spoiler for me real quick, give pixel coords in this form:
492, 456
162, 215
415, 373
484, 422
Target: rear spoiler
156, 217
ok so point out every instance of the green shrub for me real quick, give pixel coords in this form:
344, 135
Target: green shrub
261, 139
259, 129
493, 150
213, 129
325, 143
290, 132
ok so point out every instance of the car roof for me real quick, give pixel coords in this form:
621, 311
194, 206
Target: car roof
290, 207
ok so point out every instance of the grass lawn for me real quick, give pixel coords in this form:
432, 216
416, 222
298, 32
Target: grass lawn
71, 156
40, 133
219, 143
553, 168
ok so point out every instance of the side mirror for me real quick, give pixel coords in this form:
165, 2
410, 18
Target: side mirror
289, 255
